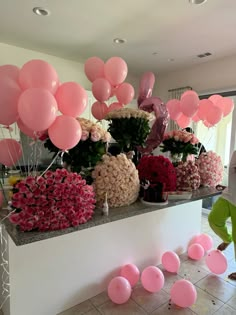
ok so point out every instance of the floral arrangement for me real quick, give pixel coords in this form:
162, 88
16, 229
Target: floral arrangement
188, 177
210, 169
116, 178
129, 127
53, 201
89, 150
180, 142
157, 169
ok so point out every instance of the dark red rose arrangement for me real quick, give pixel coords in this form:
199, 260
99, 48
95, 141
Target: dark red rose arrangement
157, 169
53, 201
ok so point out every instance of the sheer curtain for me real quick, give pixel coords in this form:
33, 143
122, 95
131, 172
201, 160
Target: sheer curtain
176, 93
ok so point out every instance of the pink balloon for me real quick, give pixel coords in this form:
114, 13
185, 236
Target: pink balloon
101, 89
195, 118
113, 90
131, 273
9, 96
204, 106
99, 110
183, 121
115, 106
94, 68
152, 279
183, 293
72, 99
37, 109
189, 104
1, 198
38, 74
190, 93
226, 105
173, 107
10, 152
115, 70
207, 124
215, 98
216, 262
214, 115
65, 132
125, 93
204, 240
146, 86
10, 71
27, 131
170, 261
119, 290
195, 251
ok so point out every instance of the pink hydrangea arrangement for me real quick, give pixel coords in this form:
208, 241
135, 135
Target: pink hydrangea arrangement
210, 169
188, 177
53, 201
117, 178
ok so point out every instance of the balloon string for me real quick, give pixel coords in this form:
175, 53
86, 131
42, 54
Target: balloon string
38, 153
18, 161
3, 191
51, 163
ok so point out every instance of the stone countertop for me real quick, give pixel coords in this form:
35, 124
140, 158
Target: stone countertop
22, 238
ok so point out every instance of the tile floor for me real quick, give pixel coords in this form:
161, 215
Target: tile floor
215, 294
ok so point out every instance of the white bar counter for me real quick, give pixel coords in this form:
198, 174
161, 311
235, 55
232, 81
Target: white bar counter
53, 271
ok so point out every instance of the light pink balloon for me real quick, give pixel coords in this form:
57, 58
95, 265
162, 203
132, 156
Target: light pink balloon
115, 106
204, 106
183, 121
170, 261
113, 90
173, 107
71, 98
195, 118
146, 86
38, 74
204, 240
9, 96
214, 115
189, 104
94, 68
215, 98
101, 89
183, 293
189, 93
10, 152
10, 71
131, 273
99, 110
37, 109
195, 251
1, 198
152, 279
65, 132
115, 70
119, 290
27, 131
216, 262
226, 105
207, 124
125, 93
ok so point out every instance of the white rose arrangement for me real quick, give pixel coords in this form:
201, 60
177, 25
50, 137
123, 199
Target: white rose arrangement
117, 178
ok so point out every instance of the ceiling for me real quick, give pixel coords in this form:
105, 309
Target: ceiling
174, 30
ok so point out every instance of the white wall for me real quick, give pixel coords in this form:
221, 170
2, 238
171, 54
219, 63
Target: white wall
211, 76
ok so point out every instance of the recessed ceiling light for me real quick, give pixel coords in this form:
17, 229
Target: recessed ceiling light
197, 1
41, 11
155, 53
171, 59
119, 40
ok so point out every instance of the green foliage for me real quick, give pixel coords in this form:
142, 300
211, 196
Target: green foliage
129, 132
178, 147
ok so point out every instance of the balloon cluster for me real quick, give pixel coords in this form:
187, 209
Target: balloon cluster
189, 108
152, 104
108, 81
32, 96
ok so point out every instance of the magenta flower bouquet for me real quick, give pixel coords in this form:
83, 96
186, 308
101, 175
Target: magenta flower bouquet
53, 201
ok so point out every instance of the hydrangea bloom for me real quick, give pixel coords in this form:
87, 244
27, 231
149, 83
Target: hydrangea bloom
188, 177
56, 200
